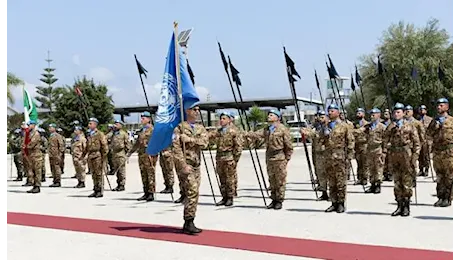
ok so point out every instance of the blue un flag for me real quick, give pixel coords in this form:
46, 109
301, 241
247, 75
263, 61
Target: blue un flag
168, 115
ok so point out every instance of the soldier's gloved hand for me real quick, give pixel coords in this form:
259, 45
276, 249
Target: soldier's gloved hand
186, 139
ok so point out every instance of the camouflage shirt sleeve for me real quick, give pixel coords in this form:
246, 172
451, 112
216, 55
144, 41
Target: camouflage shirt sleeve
415, 142
104, 145
178, 153
421, 132
288, 149
127, 143
61, 145
350, 143
238, 143
201, 138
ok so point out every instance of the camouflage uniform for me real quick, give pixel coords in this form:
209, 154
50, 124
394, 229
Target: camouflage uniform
229, 147
63, 154
147, 163
44, 149
375, 156
236, 157
16, 146
79, 162
424, 159
387, 176
422, 136
35, 160
318, 149
278, 153
403, 145
442, 134
360, 151
97, 149
109, 136
55, 150
167, 168
339, 145
196, 140
119, 146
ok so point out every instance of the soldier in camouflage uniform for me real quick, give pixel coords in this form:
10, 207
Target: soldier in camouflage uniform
96, 150
342, 116
108, 136
318, 149
79, 161
44, 149
167, 168
441, 129
339, 143
236, 157
55, 150
61, 132
147, 162
424, 160
403, 144
188, 140
25, 160
387, 176
374, 131
119, 146
409, 116
32, 146
16, 146
229, 146
360, 146
277, 139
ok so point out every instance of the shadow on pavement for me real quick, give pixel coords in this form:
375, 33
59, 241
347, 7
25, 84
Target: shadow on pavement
434, 218
368, 213
152, 229
307, 210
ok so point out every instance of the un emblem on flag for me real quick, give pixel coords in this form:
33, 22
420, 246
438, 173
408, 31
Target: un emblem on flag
169, 101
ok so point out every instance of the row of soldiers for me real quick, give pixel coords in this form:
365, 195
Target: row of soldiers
398, 141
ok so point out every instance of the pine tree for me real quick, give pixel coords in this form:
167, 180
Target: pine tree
46, 92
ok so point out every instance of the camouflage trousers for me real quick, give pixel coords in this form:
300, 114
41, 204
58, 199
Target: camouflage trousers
401, 166
443, 165
96, 168
375, 163
167, 168
62, 162
277, 178
119, 165
191, 188
34, 168
44, 167
336, 171
110, 162
319, 163
226, 169
424, 158
147, 166
19, 165
55, 166
361, 160
80, 168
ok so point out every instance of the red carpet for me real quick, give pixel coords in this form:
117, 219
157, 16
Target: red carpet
234, 240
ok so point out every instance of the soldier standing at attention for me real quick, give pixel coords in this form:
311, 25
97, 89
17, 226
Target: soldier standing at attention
188, 140
424, 160
34, 155
44, 148
387, 176
441, 129
318, 149
409, 116
79, 162
339, 148
236, 157
403, 143
96, 149
360, 147
229, 146
277, 139
119, 146
59, 130
147, 162
55, 150
375, 145
16, 145
108, 136
167, 168
24, 155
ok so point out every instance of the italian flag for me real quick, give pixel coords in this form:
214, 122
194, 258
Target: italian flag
30, 110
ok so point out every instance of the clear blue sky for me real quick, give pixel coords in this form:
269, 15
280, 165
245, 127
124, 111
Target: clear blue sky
99, 38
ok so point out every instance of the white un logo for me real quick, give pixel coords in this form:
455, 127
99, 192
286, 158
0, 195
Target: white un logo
169, 103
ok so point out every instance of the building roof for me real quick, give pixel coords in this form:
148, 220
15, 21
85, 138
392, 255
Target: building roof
225, 104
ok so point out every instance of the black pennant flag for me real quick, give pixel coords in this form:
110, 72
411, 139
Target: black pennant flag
379, 66
317, 81
332, 71
357, 76
222, 56
140, 68
291, 66
353, 87
235, 73
441, 74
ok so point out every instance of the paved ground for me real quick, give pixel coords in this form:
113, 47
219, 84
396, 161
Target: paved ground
119, 227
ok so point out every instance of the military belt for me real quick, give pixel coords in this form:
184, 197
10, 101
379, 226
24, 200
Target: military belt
399, 148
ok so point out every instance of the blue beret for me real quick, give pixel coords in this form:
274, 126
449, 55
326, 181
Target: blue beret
77, 127
398, 106
275, 112
146, 114
360, 109
93, 119
374, 110
442, 100
119, 122
332, 106
232, 115
32, 122
226, 113
409, 107
422, 107
321, 113
52, 125
189, 104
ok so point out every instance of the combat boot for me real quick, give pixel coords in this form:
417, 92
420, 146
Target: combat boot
371, 189
55, 184
229, 202
438, 203
143, 196
92, 195
340, 207
445, 203
377, 189
35, 189
43, 178
405, 210
150, 197
398, 210
222, 202
19, 178
278, 205
26, 184
180, 199
324, 196
189, 227
168, 189
331, 208
80, 185
99, 194
271, 205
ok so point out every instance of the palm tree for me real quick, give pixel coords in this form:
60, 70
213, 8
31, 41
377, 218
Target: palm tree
13, 81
